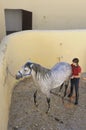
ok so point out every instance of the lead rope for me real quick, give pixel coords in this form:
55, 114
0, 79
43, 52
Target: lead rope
10, 73
13, 75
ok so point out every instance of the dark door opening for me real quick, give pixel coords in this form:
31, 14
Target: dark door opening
26, 20
17, 20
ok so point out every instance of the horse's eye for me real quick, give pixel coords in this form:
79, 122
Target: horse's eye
25, 69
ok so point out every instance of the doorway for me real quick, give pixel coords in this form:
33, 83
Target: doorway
17, 20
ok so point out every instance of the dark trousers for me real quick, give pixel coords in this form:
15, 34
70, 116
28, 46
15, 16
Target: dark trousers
75, 83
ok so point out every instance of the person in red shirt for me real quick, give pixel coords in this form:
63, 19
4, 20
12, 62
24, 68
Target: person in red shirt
76, 71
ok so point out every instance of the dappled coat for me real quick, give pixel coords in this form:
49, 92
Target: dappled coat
47, 79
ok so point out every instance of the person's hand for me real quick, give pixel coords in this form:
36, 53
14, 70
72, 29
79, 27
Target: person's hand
72, 77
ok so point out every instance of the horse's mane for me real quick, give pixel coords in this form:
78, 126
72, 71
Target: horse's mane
40, 69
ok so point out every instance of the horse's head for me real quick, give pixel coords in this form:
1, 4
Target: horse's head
25, 70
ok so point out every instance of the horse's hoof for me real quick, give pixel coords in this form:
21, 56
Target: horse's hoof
59, 93
47, 111
63, 100
36, 104
76, 103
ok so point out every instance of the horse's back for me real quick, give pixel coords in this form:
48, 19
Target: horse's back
62, 67
60, 73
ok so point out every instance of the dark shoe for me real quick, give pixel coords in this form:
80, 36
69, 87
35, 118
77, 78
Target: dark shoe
76, 103
70, 95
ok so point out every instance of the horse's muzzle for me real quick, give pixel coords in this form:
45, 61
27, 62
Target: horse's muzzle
18, 77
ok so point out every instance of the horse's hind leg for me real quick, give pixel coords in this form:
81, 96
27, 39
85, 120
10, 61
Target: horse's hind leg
48, 101
35, 101
66, 86
61, 89
65, 92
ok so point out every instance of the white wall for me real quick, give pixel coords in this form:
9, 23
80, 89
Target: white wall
53, 14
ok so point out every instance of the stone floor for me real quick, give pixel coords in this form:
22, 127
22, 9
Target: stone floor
25, 116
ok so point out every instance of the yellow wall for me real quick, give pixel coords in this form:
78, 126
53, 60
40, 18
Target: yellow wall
2, 22
43, 47
46, 47
4, 88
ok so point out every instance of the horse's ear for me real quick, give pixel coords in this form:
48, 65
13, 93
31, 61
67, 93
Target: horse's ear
29, 60
31, 65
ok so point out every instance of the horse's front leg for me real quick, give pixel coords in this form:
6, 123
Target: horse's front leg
48, 102
35, 101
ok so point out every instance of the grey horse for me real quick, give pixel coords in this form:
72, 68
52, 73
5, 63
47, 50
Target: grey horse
46, 79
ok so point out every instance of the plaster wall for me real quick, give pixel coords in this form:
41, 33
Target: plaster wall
53, 14
43, 47
2, 22
13, 20
48, 15
48, 47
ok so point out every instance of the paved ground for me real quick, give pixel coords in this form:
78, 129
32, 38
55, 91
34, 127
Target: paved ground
25, 116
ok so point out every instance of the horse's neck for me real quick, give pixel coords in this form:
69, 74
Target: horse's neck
33, 74
39, 71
